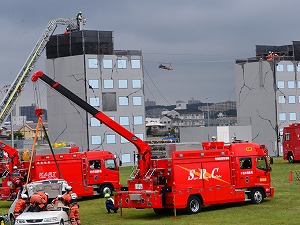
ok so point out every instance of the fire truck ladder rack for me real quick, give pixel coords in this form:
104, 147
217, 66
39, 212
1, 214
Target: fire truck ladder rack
134, 172
84, 170
20, 81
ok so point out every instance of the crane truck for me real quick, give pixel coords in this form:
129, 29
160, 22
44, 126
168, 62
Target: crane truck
291, 142
190, 179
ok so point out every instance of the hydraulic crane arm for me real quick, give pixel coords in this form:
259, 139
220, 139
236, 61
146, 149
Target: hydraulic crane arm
144, 151
20, 81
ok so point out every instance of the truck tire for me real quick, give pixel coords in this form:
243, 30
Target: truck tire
257, 196
290, 158
193, 205
105, 188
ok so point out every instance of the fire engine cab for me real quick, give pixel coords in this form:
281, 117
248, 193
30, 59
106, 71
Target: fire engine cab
291, 142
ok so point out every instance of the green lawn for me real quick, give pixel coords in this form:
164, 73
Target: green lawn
284, 208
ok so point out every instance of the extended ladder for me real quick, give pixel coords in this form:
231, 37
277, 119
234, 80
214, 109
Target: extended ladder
18, 84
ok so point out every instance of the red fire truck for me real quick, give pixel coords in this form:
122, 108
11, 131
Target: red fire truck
190, 179
90, 173
291, 142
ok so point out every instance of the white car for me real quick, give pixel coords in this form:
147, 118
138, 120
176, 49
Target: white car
52, 187
55, 216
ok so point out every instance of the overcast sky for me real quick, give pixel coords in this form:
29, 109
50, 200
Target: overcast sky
201, 39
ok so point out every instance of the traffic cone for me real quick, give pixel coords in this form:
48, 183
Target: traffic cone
291, 176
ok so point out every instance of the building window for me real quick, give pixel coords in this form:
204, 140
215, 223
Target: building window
279, 68
109, 101
111, 139
107, 63
124, 140
281, 99
123, 84
292, 99
282, 117
135, 64
140, 136
136, 83
123, 100
138, 120
280, 84
124, 120
126, 158
292, 116
96, 140
122, 64
291, 84
94, 84
299, 99
95, 122
93, 63
95, 101
108, 84
112, 117
137, 100
290, 68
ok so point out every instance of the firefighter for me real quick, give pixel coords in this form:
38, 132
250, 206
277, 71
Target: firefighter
79, 19
67, 196
109, 203
37, 203
74, 210
270, 56
20, 205
58, 201
16, 182
45, 197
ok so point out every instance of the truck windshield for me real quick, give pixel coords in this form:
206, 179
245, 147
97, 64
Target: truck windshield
261, 163
110, 164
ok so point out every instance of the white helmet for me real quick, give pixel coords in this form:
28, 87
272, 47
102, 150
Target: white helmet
46, 194
24, 196
69, 188
15, 167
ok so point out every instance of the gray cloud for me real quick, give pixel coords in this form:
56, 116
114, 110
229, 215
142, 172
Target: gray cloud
200, 38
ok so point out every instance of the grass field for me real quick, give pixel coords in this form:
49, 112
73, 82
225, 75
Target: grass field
284, 208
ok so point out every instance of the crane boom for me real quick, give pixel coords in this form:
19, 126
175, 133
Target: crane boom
144, 150
20, 81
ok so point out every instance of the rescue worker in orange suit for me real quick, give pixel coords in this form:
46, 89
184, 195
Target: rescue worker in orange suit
20, 205
37, 203
44, 196
67, 196
270, 56
74, 210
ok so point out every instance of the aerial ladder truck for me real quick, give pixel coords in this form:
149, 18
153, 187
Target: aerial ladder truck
17, 86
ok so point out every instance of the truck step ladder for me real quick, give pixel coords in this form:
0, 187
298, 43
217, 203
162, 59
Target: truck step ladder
15, 89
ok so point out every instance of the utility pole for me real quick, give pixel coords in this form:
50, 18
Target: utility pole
207, 111
273, 64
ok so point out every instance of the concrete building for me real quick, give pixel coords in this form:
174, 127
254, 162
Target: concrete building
110, 80
268, 92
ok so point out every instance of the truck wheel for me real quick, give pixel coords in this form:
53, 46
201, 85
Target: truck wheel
257, 196
105, 188
193, 205
291, 158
